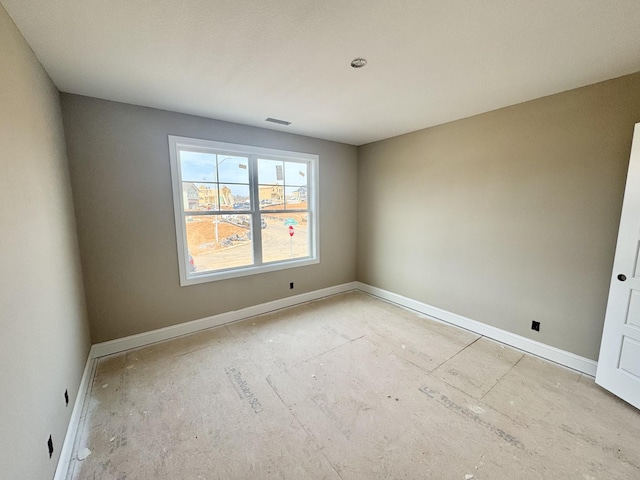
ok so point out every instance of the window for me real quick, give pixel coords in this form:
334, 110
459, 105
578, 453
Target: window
241, 210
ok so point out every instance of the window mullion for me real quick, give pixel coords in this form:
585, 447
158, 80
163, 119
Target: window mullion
256, 226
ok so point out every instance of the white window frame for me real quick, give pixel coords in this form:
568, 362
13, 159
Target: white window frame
177, 143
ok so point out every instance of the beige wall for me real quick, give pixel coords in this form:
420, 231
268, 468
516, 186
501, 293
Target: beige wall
119, 162
506, 217
44, 337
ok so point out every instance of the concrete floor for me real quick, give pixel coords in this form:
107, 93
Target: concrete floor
349, 387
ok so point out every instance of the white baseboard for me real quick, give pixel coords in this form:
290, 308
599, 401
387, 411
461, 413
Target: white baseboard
548, 352
528, 345
568, 359
147, 338
74, 422
167, 333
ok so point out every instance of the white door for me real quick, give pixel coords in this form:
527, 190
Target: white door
619, 361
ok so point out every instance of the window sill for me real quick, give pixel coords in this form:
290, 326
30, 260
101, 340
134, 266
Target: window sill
205, 277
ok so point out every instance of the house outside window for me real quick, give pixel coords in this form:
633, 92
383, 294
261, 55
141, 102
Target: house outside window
241, 210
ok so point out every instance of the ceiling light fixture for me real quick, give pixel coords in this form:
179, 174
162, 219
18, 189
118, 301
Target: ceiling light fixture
275, 120
358, 62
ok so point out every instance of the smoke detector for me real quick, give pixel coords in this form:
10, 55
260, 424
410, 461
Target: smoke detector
358, 62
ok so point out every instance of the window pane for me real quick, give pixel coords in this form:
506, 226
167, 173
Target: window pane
197, 166
277, 241
199, 196
217, 242
235, 197
270, 171
295, 174
271, 197
296, 198
233, 169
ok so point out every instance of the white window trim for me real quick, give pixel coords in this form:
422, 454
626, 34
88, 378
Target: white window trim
175, 143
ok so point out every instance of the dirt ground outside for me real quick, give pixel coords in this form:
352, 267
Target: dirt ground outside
233, 248
201, 234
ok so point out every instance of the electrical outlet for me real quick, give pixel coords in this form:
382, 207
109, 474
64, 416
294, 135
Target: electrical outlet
291, 286
66, 397
50, 445
535, 326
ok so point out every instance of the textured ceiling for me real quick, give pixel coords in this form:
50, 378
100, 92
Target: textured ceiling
430, 61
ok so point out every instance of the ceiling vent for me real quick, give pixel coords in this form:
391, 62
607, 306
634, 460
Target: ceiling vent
279, 122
